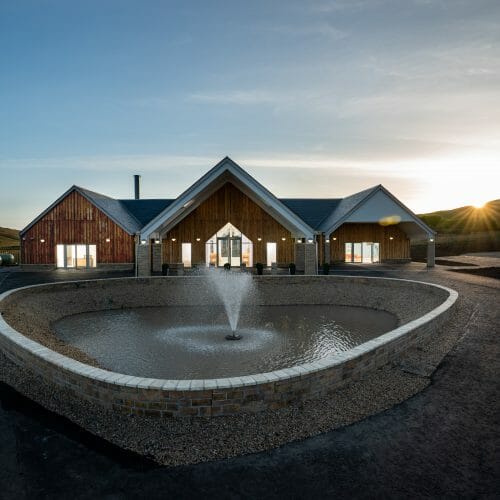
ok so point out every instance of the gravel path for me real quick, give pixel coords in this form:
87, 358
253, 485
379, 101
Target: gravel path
441, 442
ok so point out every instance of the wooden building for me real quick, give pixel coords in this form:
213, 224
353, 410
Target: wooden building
226, 217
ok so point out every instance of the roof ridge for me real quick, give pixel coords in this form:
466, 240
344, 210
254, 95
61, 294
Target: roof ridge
93, 192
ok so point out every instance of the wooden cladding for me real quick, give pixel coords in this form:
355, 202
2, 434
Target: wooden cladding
75, 220
396, 249
228, 204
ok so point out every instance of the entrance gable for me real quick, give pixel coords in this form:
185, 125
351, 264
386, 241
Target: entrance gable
225, 171
227, 205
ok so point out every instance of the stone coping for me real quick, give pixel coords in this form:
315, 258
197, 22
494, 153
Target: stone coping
303, 371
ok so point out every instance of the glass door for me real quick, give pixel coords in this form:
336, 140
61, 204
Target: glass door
229, 251
235, 252
81, 255
228, 246
367, 252
76, 256
356, 257
376, 253
222, 251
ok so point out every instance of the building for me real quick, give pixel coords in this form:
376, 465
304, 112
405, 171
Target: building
224, 217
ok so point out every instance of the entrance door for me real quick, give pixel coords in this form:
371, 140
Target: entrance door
229, 246
235, 252
229, 251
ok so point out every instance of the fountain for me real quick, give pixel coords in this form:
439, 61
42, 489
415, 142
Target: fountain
160, 340
232, 288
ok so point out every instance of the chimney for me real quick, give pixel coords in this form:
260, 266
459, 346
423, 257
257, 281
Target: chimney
137, 184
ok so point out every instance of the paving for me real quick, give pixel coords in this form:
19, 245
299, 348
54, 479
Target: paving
441, 443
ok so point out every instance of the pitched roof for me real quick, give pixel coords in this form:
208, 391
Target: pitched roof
225, 170
306, 214
312, 210
146, 210
113, 208
346, 205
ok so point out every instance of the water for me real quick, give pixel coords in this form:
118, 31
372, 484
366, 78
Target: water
188, 342
232, 288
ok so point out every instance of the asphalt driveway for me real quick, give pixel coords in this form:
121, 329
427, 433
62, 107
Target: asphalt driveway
442, 443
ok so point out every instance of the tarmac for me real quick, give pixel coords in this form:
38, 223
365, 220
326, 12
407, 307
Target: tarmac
441, 443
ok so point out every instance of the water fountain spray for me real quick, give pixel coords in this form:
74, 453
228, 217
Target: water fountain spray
232, 288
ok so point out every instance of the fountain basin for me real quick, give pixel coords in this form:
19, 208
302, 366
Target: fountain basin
26, 337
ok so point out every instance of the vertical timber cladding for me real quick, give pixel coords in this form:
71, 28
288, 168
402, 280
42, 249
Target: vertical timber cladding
228, 204
396, 249
75, 220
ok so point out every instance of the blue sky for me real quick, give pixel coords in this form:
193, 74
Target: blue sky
315, 99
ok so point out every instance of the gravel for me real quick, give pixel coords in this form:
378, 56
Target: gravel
193, 440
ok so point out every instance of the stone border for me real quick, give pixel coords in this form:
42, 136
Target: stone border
225, 396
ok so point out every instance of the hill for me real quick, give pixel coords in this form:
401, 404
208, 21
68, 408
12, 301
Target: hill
462, 230
465, 220
9, 237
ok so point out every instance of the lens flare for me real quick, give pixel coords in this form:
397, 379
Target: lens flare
389, 220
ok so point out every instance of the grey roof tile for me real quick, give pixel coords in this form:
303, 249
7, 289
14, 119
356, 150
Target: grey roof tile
146, 210
312, 210
345, 206
114, 209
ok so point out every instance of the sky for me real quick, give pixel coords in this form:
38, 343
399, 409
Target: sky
313, 98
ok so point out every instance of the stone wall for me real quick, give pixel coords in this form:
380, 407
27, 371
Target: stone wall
156, 257
143, 259
421, 309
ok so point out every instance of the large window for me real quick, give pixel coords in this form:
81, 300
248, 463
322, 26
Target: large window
364, 252
271, 254
186, 254
229, 246
76, 256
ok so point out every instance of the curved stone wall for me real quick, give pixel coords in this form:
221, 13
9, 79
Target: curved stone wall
26, 338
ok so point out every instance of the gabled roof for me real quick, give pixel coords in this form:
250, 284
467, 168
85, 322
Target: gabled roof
303, 216
146, 210
351, 204
344, 208
114, 209
226, 170
312, 210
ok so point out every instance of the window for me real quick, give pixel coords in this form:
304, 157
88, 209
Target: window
246, 251
348, 252
76, 256
365, 252
211, 253
186, 254
60, 256
271, 254
229, 246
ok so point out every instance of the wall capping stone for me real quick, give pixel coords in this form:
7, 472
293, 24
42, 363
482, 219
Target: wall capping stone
223, 396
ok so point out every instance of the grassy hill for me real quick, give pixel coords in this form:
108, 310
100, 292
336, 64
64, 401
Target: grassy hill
9, 237
465, 220
462, 230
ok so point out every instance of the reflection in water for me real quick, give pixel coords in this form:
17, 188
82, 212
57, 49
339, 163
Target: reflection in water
188, 342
